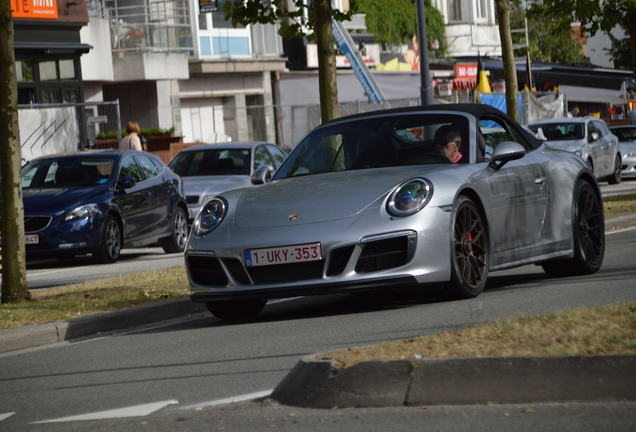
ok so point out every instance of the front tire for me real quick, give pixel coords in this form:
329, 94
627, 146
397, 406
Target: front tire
109, 249
588, 230
178, 235
615, 177
236, 310
469, 251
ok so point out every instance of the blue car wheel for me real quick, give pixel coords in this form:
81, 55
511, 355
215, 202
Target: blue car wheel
110, 246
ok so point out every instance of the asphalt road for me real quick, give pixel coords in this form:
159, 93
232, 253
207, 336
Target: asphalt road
183, 368
45, 274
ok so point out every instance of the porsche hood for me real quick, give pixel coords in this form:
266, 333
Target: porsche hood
318, 198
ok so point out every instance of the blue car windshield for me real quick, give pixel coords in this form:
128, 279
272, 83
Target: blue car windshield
376, 142
67, 172
560, 131
211, 162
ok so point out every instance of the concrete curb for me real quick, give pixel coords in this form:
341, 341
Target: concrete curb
321, 384
59, 331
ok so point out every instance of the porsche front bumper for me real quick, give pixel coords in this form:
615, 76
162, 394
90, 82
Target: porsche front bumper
400, 252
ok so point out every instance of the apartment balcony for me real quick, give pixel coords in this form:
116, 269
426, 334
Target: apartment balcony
148, 39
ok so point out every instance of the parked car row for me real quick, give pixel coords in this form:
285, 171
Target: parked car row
627, 138
101, 202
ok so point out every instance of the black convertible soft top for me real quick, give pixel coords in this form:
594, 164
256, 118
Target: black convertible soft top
475, 109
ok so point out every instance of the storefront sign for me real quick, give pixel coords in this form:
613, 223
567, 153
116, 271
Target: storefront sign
208, 6
466, 71
42, 9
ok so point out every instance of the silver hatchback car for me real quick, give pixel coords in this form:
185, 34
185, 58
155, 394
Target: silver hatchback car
210, 169
588, 137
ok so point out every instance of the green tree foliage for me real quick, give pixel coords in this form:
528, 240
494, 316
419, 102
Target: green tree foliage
546, 44
594, 15
296, 19
393, 22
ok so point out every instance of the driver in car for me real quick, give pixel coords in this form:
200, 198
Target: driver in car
447, 141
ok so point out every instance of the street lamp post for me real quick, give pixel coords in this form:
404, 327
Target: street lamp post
426, 88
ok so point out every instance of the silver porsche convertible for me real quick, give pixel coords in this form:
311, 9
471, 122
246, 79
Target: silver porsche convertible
435, 196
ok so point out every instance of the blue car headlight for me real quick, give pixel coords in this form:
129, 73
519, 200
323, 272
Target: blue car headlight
409, 197
210, 216
82, 212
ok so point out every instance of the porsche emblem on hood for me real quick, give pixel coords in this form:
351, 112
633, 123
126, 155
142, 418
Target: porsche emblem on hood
292, 217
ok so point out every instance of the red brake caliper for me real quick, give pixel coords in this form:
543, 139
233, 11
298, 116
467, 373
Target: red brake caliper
470, 243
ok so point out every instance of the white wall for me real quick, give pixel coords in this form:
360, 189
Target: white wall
47, 130
97, 64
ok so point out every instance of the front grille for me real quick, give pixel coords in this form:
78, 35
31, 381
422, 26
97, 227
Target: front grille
36, 223
338, 260
206, 271
192, 199
385, 254
237, 271
286, 272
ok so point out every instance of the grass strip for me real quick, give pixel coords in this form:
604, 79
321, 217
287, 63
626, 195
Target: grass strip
93, 297
587, 331
619, 204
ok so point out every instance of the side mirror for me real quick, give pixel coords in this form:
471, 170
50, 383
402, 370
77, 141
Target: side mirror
593, 136
126, 182
505, 152
262, 175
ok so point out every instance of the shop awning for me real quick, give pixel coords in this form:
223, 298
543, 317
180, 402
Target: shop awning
590, 94
53, 48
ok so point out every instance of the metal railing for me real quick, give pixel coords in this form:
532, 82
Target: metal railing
150, 25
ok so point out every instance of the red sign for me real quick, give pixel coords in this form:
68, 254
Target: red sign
466, 71
43, 9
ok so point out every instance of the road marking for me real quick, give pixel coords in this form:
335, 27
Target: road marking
230, 400
132, 411
6, 416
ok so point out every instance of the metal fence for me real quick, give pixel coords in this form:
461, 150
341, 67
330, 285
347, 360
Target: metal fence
42, 130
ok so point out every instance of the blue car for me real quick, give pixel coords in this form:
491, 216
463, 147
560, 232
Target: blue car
99, 203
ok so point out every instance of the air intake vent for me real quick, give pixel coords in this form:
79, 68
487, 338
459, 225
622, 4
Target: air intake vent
338, 260
206, 271
386, 254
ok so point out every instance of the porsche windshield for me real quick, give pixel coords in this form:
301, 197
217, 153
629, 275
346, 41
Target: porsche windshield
374, 142
67, 172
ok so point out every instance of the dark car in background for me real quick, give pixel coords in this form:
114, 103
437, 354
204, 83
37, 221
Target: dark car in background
209, 169
101, 202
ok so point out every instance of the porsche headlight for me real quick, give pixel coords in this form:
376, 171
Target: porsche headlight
210, 216
409, 197
81, 212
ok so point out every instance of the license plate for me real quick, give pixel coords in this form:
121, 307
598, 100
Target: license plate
283, 254
31, 239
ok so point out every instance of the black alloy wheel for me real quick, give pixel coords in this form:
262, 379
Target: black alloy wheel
588, 230
470, 251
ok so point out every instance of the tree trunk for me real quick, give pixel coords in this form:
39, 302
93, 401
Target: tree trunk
14, 284
631, 24
508, 56
329, 108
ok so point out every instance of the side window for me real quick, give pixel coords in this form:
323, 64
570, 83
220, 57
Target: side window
262, 157
277, 155
130, 168
592, 132
149, 168
493, 131
602, 130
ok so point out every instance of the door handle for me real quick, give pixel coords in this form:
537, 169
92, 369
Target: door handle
539, 180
